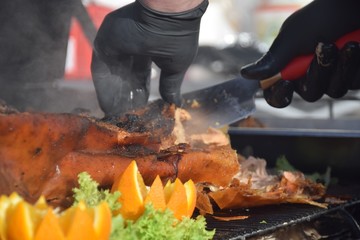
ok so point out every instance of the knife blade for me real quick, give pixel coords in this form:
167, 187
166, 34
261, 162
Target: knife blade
223, 103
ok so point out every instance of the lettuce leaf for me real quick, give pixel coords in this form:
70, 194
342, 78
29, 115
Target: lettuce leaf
282, 164
89, 192
156, 224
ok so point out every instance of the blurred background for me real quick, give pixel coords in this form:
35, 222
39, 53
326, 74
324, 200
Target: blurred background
46, 54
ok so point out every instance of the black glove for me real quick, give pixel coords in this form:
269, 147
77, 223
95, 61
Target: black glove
128, 41
315, 27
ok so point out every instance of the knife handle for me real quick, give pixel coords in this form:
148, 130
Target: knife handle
266, 83
299, 65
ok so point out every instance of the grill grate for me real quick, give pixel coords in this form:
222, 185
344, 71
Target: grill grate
267, 219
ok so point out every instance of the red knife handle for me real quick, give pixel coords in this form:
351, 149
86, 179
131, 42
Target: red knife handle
298, 66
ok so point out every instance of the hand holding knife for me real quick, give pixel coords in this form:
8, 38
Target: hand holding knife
297, 67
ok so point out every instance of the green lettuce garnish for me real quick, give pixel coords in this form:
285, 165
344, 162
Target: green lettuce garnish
160, 225
89, 192
282, 164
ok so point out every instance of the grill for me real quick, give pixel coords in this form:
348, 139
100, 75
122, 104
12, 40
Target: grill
299, 221
339, 221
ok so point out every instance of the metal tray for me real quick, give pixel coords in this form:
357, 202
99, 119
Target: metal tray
265, 220
338, 221
309, 150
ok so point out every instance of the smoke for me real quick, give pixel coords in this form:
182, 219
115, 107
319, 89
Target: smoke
33, 44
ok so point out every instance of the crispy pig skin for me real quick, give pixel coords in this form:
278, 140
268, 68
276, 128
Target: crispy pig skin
42, 153
221, 164
254, 186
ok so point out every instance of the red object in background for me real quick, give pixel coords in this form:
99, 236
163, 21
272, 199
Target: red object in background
79, 50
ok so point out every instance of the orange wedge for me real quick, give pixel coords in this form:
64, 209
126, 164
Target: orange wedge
22, 215
102, 221
66, 218
156, 194
14, 198
168, 190
178, 197
4, 205
49, 228
41, 203
190, 196
178, 200
21, 222
77, 223
133, 191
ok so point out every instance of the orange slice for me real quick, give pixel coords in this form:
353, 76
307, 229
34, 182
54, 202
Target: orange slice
156, 194
178, 197
190, 196
168, 190
102, 221
49, 228
4, 204
65, 219
77, 223
21, 222
133, 191
15, 198
41, 203
11, 213
178, 200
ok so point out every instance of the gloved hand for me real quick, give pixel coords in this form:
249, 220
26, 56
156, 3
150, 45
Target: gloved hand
314, 28
129, 40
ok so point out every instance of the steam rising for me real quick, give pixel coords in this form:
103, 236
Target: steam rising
33, 43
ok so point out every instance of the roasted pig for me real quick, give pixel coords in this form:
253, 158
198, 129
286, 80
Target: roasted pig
42, 154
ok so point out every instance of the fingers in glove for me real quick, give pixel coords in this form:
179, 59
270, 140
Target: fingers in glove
170, 86
351, 66
355, 84
140, 80
280, 94
263, 68
312, 86
122, 86
339, 81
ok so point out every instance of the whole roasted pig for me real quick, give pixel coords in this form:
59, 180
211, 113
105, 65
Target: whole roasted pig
42, 153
